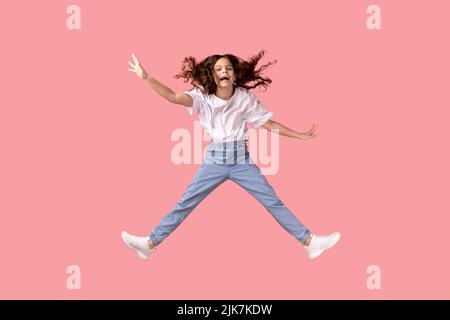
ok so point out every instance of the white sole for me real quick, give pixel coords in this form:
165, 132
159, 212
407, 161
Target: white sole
142, 255
316, 255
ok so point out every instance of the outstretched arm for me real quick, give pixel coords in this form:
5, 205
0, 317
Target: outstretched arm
161, 89
285, 131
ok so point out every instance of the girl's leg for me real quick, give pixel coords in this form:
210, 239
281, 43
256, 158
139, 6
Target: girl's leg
207, 178
249, 177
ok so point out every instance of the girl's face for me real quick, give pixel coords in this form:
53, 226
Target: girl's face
224, 73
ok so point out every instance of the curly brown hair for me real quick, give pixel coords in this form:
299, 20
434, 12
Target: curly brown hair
202, 73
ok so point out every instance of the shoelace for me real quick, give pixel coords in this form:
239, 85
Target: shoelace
320, 241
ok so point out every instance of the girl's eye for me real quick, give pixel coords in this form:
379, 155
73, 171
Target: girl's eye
229, 68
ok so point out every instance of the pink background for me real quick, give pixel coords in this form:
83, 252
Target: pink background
85, 150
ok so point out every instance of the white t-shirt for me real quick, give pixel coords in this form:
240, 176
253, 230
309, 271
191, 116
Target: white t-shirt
225, 120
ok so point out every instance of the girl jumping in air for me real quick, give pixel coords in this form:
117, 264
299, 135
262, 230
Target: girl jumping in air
224, 104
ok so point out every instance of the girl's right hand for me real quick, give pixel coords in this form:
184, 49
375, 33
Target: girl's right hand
137, 68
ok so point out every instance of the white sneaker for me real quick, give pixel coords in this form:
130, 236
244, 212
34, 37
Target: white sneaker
319, 244
137, 244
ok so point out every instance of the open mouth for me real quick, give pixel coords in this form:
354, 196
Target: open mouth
224, 78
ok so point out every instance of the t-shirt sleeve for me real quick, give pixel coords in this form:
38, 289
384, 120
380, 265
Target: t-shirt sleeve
198, 97
255, 113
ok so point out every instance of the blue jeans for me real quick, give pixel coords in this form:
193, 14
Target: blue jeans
223, 161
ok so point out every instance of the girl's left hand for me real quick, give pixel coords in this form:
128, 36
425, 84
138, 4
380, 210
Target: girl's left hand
311, 133
137, 68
